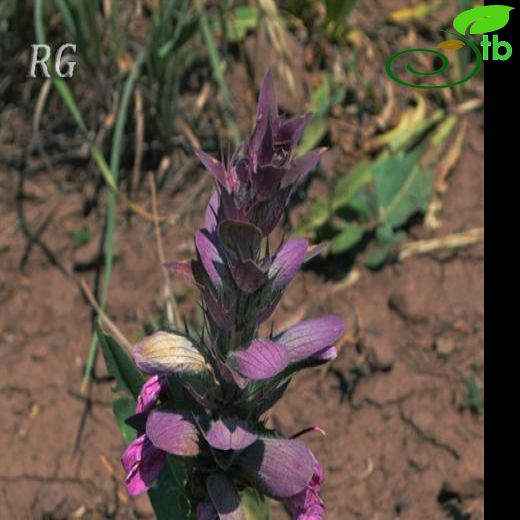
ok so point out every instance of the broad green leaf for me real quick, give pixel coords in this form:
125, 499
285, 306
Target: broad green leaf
348, 185
120, 365
256, 507
314, 133
412, 125
402, 187
483, 19
321, 97
167, 494
123, 408
349, 237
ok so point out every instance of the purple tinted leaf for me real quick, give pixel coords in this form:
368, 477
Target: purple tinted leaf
217, 309
173, 432
210, 257
262, 359
301, 167
224, 497
269, 308
210, 216
283, 467
267, 181
267, 102
142, 462
242, 238
291, 131
248, 276
230, 433
309, 337
261, 147
216, 168
287, 262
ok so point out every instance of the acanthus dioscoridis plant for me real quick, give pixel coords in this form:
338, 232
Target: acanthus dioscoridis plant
205, 400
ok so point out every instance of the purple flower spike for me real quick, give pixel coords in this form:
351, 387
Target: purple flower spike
283, 467
224, 497
173, 432
149, 394
210, 217
230, 433
262, 359
142, 462
287, 262
309, 337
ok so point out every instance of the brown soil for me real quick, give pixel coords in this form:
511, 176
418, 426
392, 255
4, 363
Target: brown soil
399, 443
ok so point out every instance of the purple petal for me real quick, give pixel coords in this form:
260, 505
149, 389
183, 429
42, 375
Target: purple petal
168, 353
301, 167
307, 504
173, 432
224, 497
287, 262
143, 463
248, 276
327, 354
180, 268
216, 168
210, 216
230, 433
283, 467
210, 257
262, 359
309, 337
149, 394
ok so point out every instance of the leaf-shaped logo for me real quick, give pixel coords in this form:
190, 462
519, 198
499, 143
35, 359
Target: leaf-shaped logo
481, 20
451, 45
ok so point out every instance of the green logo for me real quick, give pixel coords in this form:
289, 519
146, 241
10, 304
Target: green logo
479, 20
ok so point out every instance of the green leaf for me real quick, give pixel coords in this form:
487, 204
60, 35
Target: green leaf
120, 365
349, 185
242, 19
256, 506
403, 187
483, 19
376, 256
123, 408
318, 216
316, 130
167, 494
349, 237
